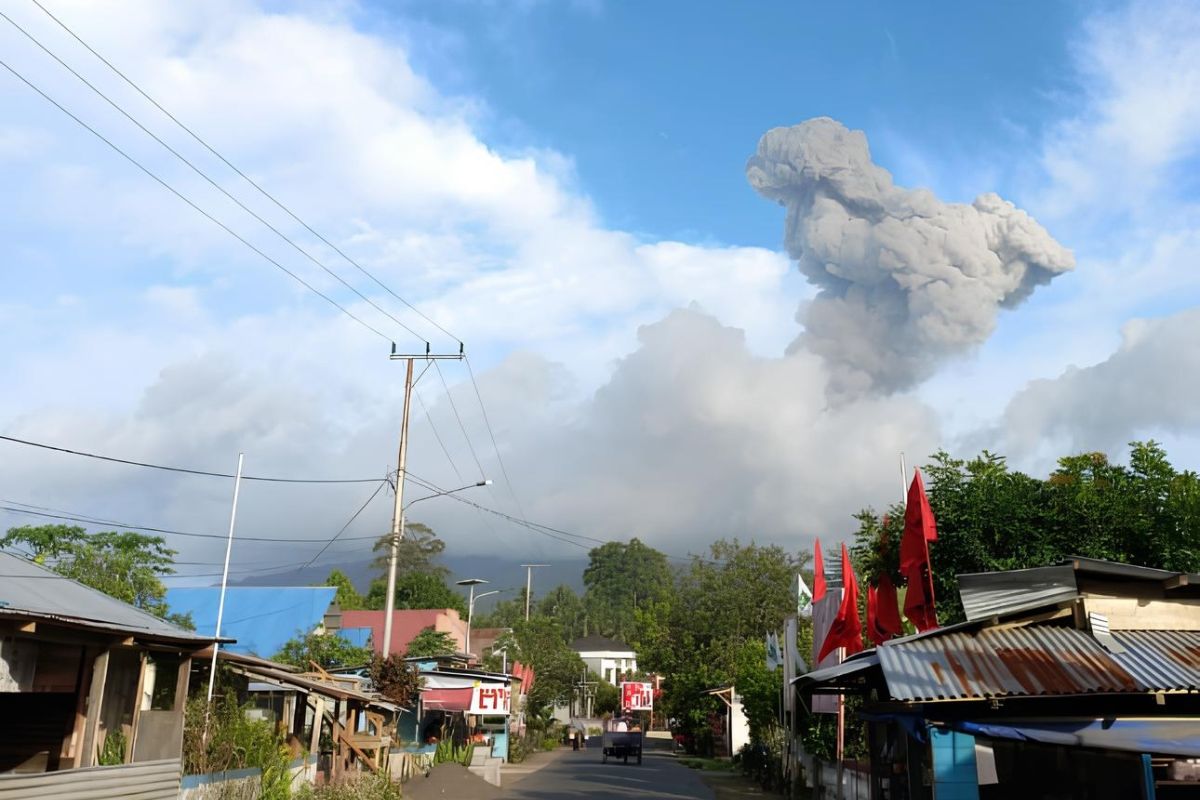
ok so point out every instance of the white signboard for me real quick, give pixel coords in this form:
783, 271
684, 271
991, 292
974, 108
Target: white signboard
491, 699
637, 696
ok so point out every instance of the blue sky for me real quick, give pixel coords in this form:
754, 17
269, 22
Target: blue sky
563, 185
660, 104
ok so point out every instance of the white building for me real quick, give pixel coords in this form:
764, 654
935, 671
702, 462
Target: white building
606, 657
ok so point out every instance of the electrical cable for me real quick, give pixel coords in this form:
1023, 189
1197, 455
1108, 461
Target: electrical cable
242, 174
184, 470
195, 207
492, 434
350, 521
207, 178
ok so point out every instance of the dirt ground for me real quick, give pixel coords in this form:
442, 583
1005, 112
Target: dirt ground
449, 782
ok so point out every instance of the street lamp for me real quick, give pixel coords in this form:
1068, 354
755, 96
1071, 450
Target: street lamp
472, 582
397, 536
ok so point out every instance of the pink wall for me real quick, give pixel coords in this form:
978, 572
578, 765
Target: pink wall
406, 624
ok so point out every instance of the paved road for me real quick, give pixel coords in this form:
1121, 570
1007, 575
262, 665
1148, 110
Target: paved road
581, 775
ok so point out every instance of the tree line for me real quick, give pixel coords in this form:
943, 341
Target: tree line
700, 622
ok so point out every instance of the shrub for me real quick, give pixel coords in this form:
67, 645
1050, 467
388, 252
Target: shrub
234, 742
363, 787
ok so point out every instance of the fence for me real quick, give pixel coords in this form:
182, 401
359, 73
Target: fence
404, 764
823, 779
241, 784
148, 780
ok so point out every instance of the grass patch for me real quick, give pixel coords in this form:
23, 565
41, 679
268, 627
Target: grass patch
707, 764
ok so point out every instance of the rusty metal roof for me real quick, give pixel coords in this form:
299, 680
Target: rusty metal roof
1003, 662
1162, 660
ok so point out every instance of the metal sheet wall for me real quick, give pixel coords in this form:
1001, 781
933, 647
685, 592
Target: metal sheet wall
150, 780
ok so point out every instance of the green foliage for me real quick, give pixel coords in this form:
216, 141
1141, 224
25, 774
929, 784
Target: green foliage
417, 590
993, 518
449, 753
417, 551
564, 607
125, 565
113, 751
711, 635
540, 643
364, 786
431, 642
347, 597
396, 680
233, 742
608, 697
621, 579
326, 649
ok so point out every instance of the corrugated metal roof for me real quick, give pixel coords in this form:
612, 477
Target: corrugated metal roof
1002, 662
987, 594
1161, 660
30, 591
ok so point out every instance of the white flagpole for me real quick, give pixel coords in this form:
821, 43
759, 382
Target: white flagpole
237, 484
903, 481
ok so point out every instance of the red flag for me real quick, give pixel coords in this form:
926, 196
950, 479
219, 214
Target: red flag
919, 530
919, 526
918, 602
887, 608
876, 636
846, 630
818, 591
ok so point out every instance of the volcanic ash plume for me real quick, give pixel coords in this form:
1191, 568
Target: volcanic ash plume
906, 280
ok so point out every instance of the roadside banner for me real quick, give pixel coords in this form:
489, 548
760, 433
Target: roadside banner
637, 696
490, 699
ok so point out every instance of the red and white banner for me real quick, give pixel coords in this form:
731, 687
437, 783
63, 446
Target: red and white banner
637, 696
491, 699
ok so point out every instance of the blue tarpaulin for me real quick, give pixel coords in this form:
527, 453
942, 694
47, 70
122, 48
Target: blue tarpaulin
261, 618
1178, 737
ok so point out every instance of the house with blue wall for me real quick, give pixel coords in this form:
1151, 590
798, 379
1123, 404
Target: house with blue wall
261, 618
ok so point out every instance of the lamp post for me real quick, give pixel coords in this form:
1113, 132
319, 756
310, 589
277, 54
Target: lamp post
472, 582
397, 537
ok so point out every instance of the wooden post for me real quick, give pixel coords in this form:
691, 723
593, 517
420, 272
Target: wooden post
314, 745
181, 684
91, 727
137, 707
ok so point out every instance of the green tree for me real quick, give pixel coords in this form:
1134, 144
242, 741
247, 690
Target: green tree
418, 551
566, 608
714, 628
347, 597
622, 578
126, 565
431, 642
417, 590
540, 643
608, 697
992, 518
325, 649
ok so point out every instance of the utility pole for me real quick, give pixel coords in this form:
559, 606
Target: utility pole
401, 471
529, 584
212, 672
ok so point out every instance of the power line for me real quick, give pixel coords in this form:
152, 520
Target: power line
185, 470
350, 521
206, 177
195, 207
438, 436
457, 416
12, 507
242, 174
492, 434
